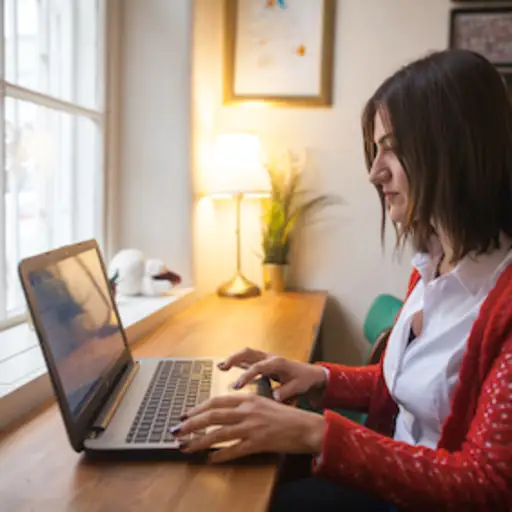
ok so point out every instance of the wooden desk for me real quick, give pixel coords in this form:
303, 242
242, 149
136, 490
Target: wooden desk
39, 471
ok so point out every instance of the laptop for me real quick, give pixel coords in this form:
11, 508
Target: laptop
109, 401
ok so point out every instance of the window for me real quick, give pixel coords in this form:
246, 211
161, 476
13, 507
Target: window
51, 136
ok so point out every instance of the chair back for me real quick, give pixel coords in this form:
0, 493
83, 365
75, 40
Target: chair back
381, 316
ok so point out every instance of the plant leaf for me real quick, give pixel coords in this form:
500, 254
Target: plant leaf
287, 205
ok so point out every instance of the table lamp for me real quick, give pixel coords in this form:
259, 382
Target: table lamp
238, 172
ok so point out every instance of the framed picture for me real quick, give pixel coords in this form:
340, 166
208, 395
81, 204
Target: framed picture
487, 31
279, 51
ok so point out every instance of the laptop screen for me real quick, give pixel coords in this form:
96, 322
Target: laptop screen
79, 323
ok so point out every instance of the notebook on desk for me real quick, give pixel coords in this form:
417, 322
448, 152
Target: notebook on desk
109, 401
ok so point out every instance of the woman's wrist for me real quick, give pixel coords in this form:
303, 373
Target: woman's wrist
321, 376
315, 394
315, 432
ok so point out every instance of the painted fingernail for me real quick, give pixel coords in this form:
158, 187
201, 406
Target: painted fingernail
183, 417
175, 430
221, 365
237, 385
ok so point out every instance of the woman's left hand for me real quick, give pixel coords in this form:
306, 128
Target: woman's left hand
257, 425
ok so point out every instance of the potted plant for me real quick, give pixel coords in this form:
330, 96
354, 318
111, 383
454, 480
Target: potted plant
288, 204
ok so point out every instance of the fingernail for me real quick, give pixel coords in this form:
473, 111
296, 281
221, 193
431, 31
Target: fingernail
237, 385
221, 365
183, 417
182, 445
276, 396
175, 430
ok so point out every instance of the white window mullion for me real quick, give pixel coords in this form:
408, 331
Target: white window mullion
3, 266
44, 100
101, 48
44, 45
15, 212
74, 127
101, 98
13, 178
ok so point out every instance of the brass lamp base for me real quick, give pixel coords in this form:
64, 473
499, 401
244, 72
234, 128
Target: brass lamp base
239, 287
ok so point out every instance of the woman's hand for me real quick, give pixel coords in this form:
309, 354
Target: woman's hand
256, 424
295, 378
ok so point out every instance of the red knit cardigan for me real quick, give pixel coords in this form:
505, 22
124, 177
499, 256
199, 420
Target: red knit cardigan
471, 469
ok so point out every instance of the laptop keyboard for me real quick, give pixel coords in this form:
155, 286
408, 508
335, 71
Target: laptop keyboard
176, 387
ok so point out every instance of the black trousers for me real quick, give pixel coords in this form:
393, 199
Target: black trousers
317, 494
297, 491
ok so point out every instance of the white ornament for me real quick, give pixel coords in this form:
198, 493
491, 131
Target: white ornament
136, 275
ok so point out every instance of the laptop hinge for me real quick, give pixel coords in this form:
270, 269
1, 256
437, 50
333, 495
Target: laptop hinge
107, 413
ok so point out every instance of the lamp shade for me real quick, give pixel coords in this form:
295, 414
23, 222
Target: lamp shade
237, 166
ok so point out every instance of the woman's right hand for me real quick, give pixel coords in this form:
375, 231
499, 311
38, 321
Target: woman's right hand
295, 378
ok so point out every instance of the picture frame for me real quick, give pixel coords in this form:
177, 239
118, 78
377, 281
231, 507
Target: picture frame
485, 30
279, 52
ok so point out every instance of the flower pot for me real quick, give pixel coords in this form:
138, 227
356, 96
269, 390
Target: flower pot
274, 277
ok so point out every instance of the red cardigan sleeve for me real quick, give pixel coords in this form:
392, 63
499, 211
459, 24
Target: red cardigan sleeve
349, 387
477, 477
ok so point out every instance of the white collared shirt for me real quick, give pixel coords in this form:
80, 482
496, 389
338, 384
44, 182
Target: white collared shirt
421, 378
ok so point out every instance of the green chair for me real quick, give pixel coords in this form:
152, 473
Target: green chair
380, 317
377, 325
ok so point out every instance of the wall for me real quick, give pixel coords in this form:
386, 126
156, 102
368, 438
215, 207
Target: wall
154, 186
342, 254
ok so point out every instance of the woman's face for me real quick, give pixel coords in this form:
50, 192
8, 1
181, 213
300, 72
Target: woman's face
388, 174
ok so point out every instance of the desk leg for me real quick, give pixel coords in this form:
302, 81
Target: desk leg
315, 353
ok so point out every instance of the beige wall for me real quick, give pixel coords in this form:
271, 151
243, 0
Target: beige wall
342, 254
163, 96
154, 200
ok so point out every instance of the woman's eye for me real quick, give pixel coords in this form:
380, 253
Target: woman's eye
383, 149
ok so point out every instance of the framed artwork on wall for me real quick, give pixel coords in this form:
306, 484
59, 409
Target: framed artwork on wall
486, 30
279, 51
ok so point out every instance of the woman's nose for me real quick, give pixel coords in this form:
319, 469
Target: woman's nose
379, 174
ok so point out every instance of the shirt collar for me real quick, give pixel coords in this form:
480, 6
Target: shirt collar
473, 272
426, 262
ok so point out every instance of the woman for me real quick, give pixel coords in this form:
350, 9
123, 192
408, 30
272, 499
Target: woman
438, 143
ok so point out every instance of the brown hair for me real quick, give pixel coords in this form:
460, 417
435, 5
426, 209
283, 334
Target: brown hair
451, 122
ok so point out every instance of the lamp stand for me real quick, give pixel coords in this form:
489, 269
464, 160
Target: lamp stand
238, 287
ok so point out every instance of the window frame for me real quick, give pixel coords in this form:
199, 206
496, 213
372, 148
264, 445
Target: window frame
108, 10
